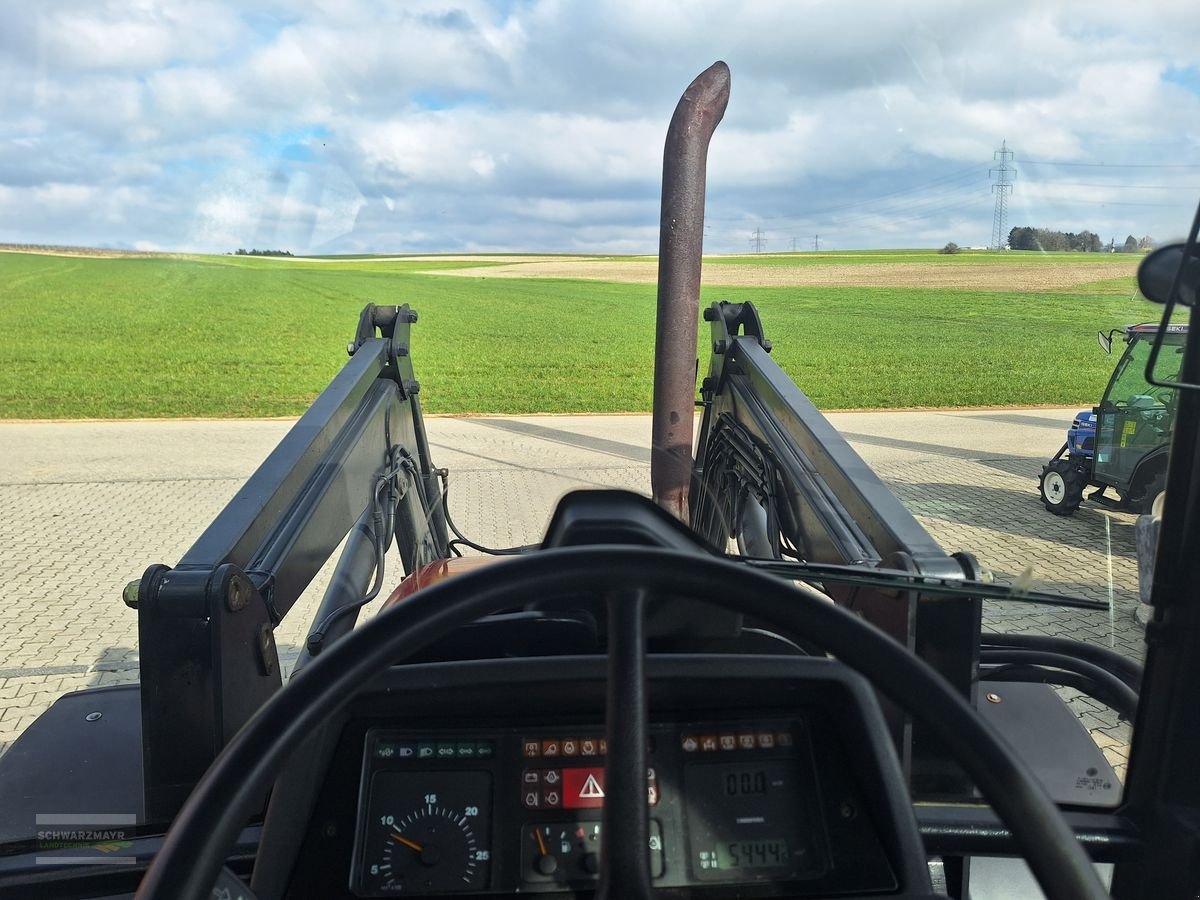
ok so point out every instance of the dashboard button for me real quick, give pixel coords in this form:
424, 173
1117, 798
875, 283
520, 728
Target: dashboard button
587, 747
531, 748
550, 748
532, 799
689, 743
570, 747
583, 788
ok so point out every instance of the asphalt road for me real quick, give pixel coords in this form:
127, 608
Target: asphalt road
85, 507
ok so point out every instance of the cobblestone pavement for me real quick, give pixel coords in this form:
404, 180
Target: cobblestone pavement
85, 508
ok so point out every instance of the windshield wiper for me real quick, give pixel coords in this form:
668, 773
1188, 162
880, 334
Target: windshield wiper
888, 578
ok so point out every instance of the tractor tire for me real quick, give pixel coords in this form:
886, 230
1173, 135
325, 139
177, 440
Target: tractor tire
1155, 487
1061, 487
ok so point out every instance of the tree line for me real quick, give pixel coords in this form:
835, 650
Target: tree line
1026, 238
241, 252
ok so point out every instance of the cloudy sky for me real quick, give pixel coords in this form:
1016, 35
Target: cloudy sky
341, 126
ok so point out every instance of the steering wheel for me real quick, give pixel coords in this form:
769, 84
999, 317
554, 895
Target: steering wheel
198, 841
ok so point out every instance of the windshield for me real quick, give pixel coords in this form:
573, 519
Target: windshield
932, 210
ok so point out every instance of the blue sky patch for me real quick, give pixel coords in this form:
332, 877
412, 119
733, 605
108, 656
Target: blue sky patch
266, 25
424, 100
1187, 77
292, 145
433, 101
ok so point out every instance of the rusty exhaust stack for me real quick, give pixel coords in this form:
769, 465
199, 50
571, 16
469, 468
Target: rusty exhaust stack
680, 244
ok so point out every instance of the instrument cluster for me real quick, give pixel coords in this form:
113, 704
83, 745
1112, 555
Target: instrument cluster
521, 811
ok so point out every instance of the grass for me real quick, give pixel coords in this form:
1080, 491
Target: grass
237, 336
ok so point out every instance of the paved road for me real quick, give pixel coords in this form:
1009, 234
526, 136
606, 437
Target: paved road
84, 507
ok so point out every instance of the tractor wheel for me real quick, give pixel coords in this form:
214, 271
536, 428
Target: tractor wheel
1062, 487
1153, 488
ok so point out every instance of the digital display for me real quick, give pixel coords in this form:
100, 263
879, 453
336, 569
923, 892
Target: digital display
747, 820
746, 783
766, 854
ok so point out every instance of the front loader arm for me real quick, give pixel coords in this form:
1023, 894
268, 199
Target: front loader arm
205, 627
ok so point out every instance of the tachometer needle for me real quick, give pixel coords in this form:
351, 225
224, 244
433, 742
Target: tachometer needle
541, 843
401, 839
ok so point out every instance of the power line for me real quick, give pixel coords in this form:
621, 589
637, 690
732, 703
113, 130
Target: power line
886, 222
915, 208
1123, 187
758, 240
963, 176
911, 212
1001, 188
1083, 201
934, 212
1043, 162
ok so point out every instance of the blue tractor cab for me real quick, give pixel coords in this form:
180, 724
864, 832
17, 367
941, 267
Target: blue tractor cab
1122, 443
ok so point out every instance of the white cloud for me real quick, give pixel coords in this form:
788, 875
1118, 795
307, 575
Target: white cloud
64, 197
193, 98
133, 36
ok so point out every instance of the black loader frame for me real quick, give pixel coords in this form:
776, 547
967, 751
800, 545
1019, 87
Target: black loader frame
357, 463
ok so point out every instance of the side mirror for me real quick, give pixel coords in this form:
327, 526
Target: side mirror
1105, 341
1158, 271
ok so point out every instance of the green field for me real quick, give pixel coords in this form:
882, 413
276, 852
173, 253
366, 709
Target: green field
234, 336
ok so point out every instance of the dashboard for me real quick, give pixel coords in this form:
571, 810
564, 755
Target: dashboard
429, 801
761, 780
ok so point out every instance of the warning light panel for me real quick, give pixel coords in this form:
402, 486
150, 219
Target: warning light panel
579, 787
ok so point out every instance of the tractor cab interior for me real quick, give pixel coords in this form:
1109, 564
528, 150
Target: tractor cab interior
767, 679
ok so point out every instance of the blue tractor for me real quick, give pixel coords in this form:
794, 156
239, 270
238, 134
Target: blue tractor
1122, 443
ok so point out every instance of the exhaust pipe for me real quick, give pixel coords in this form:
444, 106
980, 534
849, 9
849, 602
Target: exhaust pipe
680, 244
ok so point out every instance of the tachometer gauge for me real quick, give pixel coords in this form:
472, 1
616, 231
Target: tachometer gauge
425, 833
432, 848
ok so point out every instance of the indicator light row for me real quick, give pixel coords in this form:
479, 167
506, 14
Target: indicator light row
745, 740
